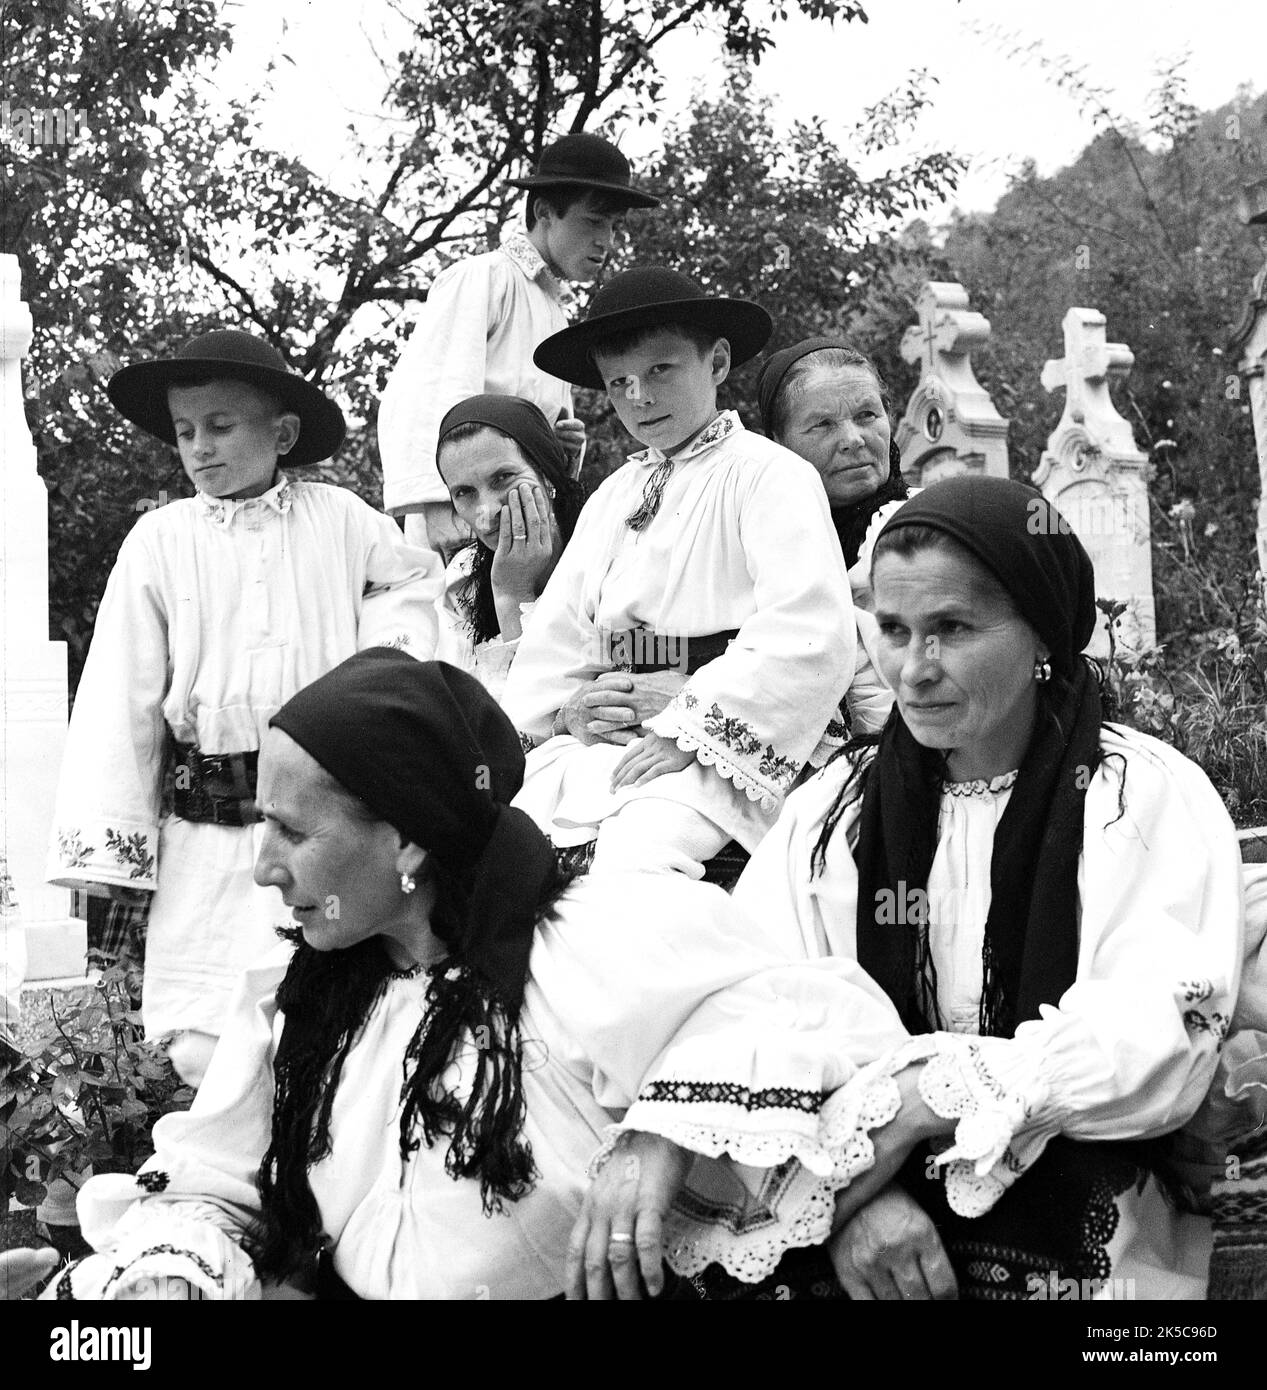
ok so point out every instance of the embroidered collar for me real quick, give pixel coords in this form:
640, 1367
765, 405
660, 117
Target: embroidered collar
724, 425
516, 246
222, 510
978, 786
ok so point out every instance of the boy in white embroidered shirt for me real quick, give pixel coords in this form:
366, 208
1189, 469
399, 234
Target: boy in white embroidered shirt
219, 608
484, 316
711, 556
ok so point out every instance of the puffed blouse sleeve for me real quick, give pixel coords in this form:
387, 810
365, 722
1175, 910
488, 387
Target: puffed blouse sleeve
1129, 1050
186, 1213
721, 1035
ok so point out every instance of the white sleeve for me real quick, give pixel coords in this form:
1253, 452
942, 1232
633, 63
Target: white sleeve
443, 362
105, 827
402, 588
714, 1031
187, 1211
756, 713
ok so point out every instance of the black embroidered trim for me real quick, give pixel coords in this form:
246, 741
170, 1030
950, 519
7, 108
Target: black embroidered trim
153, 1181
526, 742
731, 1093
65, 1294
197, 1260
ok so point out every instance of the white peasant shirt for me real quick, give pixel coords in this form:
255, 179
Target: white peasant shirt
217, 611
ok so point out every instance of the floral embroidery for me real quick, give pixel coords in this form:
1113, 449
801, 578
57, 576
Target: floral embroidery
776, 767
732, 1093
734, 733
1216, 1024
72, 849
130, 849
155, 1181
836, 728
526, 742
1194, 991
399, 642
689, 700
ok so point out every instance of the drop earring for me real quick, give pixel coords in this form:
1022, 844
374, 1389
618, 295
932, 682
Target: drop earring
407, 883
1042, 671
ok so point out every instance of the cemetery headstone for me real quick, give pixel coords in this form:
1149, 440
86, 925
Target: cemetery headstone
32, 680
1093, 472
950, 424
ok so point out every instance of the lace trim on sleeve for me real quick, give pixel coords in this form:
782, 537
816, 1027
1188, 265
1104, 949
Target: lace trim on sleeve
981, 1161
802, 1166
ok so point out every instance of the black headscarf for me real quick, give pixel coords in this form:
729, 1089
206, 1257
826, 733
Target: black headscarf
429, 751
851, 522
1031, 933
525, 423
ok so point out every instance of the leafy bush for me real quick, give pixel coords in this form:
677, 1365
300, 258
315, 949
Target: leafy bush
86, 1094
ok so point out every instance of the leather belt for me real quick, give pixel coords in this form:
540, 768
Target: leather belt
640, 651
215, 788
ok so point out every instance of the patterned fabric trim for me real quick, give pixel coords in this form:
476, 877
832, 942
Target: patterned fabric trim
730, 745
516, 247
732, 1093
222, 510
123, 854
978, 786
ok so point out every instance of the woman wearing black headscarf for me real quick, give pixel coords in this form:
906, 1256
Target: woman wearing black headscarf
509, 481
1052, 903
404, 1107
826, 401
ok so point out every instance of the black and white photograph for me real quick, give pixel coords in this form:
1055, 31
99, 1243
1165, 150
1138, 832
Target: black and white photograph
633, 668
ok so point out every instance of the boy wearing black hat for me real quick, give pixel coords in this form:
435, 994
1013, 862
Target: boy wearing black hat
484, 316
219, 608
710, 554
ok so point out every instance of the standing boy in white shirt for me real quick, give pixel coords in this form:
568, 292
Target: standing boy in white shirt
220, 607
485, 315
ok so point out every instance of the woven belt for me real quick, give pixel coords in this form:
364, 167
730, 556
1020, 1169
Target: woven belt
639, 651
215, 788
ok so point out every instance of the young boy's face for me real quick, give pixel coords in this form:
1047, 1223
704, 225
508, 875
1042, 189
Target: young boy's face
575, 244
229, 436
664, 390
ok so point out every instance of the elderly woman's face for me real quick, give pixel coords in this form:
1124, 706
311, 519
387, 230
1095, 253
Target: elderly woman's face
336, 872
838, 423
959, 658
480, 473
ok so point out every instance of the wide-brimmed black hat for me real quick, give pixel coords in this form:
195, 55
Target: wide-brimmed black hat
587, 161
651, 297
139, 392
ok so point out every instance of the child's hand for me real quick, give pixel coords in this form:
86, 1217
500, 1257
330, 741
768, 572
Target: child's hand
571, 434
650, 757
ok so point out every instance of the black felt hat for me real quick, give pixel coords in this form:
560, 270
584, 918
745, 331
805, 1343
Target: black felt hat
139, 392
651, 297
587, 161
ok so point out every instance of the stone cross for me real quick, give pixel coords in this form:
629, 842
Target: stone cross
1095, 475
1249, 344
32, 680
950, 424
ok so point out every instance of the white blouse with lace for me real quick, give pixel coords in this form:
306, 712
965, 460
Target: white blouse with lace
1128, 1051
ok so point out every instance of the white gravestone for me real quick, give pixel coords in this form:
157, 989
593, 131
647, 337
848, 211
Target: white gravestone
1249, 343
32, 678
1095, 475
950, 425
